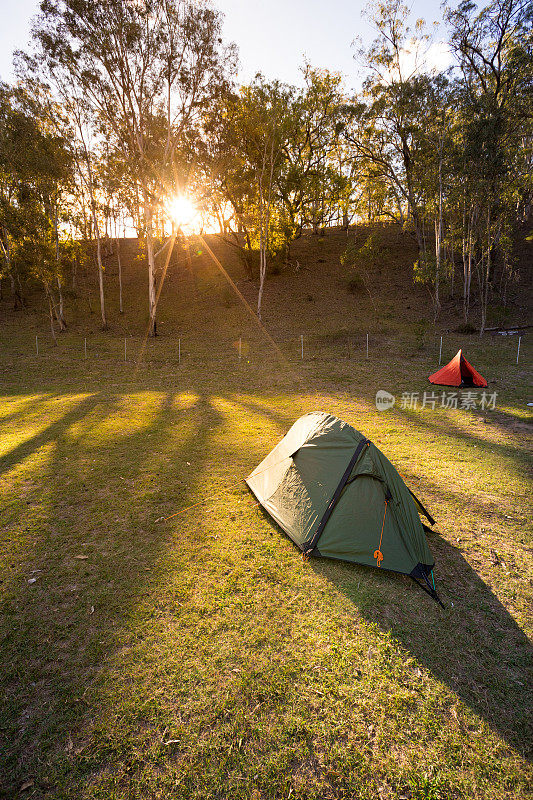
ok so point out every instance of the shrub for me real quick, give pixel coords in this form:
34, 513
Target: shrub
368, 256
424, 269
355, 259
466, 327
355, 282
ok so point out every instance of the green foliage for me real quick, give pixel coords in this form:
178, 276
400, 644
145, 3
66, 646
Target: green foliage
424, 269
357, 259
368, 256
35, 169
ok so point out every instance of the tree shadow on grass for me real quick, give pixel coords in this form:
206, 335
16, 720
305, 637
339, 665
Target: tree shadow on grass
516, 425
446, 428
52, 433
61, 633
474, 646
22, 408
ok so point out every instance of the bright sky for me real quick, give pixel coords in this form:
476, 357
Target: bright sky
273, 36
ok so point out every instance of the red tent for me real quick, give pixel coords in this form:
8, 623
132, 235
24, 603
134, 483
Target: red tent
458, 373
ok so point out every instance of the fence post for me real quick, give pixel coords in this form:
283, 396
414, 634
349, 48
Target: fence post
518, 351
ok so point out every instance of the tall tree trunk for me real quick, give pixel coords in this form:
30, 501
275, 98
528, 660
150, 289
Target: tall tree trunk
50, 310
264, 228
345, 220
119, 261
315, 219
411, 201
484, 283
60, 309
438, 240
467, 261
451, 257
262, 259
15, 291
19, 287
100, 267
152, 302
436, 298
96, 228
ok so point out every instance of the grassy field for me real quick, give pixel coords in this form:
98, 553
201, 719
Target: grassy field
161, 638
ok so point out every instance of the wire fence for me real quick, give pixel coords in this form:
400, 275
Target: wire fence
186, 349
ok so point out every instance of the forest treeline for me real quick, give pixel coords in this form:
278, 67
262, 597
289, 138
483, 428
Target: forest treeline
121, 105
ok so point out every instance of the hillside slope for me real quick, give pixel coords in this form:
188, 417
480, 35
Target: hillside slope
308, 296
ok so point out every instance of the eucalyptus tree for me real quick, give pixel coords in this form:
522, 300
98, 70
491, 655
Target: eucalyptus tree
494, 50
17, 134
75, 117
433, 174
385, 124
311, 183
277, 163
115, 185
259, 126
148, 70
34, 169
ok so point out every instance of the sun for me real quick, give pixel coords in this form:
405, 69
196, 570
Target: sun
182, 210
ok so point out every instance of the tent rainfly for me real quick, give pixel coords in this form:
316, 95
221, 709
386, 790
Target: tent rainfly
336, 495
458, 373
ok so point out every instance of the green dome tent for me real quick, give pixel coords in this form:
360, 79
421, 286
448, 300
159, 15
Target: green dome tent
336, 495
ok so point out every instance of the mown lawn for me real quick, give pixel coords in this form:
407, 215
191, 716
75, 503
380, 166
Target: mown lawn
161, 638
